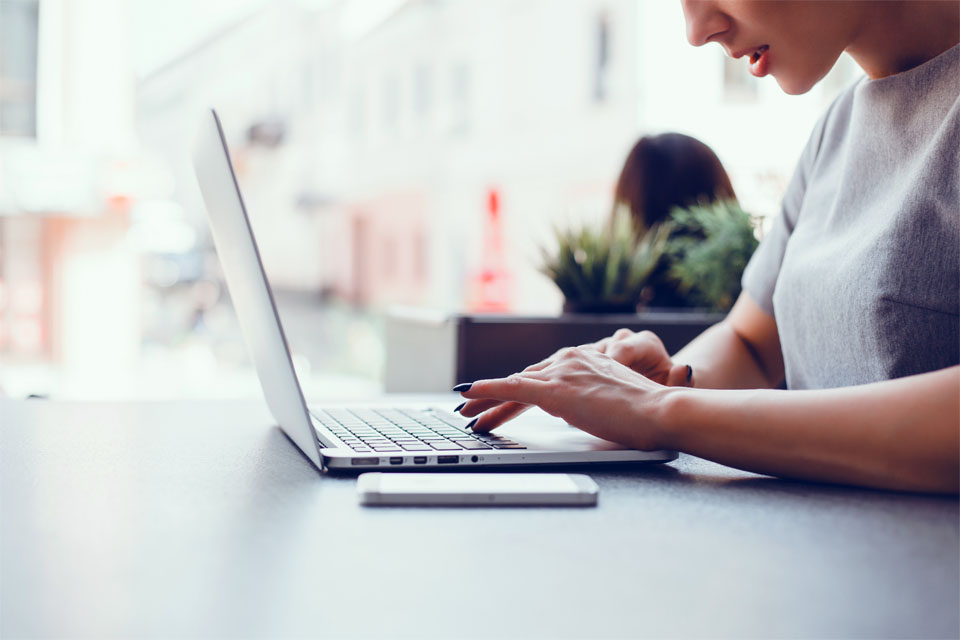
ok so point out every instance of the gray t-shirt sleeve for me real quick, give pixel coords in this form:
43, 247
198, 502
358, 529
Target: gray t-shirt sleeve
760, 275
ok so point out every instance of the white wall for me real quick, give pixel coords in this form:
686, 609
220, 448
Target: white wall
522, 119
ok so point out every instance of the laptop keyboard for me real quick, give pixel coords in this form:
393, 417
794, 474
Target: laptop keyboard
390, 430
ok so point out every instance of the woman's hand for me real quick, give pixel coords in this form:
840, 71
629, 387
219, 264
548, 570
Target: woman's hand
643, 352
585, 387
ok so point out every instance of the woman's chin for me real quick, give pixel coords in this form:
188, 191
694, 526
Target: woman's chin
794, 86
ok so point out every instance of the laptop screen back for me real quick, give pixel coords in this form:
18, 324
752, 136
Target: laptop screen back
249, 288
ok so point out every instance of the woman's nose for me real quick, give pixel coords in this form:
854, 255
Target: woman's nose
704, 20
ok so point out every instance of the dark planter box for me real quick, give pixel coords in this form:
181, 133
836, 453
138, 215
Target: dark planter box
491, 346
430, 352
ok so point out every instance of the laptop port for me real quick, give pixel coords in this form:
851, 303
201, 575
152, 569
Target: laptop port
447, 459
420, 460
365, 461
396, 460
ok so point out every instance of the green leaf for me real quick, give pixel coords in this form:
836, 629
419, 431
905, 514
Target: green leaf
710, 249
607, 264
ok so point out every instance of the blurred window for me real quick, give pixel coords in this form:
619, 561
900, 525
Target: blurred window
357, 112
460, 99
422, 91
601, 68
19, 21
391, 101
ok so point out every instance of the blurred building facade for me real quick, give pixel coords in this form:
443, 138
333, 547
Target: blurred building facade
389, 140
370, 138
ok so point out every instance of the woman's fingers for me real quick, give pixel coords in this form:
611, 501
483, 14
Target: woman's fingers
499, 400
681, 375
516, 388
497, 416
644, 353
599, 345
475, 407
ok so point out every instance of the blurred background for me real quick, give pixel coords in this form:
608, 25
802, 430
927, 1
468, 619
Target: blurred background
390, 152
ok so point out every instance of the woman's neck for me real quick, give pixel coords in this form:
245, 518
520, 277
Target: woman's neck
896, 36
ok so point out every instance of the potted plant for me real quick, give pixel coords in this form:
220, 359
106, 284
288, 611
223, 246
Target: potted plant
604, 270
708, 250
697, 257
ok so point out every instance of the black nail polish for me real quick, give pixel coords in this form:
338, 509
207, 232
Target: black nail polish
459, 406
689, 373
463, 386
470, 424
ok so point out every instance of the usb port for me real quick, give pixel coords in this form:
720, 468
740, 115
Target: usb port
420, 460
365, 461
447, 459
396, 460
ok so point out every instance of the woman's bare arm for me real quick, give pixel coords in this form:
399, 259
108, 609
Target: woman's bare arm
895, 434
741, 352
899, 434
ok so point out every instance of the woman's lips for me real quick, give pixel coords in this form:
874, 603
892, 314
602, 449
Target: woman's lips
760, 61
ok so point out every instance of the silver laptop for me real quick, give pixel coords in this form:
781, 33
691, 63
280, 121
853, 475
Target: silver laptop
378, 435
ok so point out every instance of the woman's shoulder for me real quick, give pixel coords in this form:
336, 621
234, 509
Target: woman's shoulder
828, 133
834, 124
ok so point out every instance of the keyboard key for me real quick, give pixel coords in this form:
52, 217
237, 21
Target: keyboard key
393, 430
445, 446
449, 418
471, 444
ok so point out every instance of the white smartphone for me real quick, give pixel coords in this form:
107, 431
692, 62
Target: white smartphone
477, 489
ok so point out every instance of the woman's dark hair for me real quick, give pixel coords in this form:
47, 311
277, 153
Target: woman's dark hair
666, 171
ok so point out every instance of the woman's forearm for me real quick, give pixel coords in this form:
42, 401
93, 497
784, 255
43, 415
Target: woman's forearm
898, 434
742, 352
720, 360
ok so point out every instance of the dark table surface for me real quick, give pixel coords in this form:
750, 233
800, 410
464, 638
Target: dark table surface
200, 519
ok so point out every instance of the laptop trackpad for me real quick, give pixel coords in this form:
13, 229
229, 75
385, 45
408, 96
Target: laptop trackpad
538, 430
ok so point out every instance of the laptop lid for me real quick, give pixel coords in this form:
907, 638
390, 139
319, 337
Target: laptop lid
249, 288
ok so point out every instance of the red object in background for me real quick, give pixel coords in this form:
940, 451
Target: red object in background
492, 283
119, 202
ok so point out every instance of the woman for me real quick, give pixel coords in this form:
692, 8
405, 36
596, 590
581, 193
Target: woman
660, 173
666, 171
852, 297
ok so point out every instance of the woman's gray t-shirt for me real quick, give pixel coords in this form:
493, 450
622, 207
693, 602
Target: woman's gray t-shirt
861, 268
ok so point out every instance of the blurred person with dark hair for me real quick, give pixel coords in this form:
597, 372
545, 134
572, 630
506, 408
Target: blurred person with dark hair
666, 171
853, 296
663, 172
